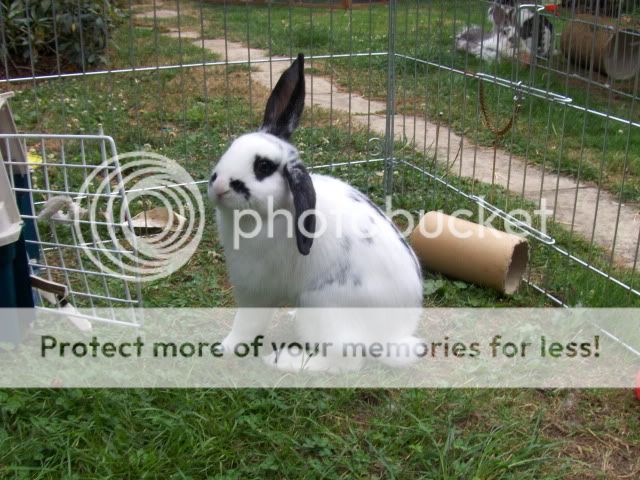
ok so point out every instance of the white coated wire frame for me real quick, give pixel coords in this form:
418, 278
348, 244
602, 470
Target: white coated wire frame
59, 165
440, 147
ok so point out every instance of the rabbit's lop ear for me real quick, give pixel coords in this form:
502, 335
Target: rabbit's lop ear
304, 200
286, 102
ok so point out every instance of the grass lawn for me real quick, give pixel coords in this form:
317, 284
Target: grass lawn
561, 138
190, 116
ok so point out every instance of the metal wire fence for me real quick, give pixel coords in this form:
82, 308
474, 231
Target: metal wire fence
52, 175
443, 104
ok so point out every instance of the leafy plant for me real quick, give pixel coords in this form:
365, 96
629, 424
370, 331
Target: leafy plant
599, 7
35, 32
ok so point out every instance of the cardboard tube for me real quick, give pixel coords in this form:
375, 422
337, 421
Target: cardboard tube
590, 39
470, 252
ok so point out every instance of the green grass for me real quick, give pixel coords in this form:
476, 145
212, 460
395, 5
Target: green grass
262, 434
444, 434
193, 125
195, 135
504, 434
558, 137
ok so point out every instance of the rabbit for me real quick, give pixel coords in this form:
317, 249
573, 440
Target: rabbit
343, 251
514, 31
500, 42
533, 32
489, 46
536, 33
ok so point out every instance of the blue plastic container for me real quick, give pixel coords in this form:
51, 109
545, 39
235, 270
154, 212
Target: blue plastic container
15, 282
15, 292
7, 276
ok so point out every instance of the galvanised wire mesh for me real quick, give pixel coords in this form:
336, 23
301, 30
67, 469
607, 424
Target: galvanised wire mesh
443, 104
550, 121
54, 177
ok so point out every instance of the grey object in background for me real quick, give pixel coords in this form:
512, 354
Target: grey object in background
602, 44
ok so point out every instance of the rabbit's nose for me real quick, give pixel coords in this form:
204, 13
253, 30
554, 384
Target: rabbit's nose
218, 185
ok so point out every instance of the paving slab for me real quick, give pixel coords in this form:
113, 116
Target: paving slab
574, 204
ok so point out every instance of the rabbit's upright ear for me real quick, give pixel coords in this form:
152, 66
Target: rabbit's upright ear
284, 107
304, 200
498, 16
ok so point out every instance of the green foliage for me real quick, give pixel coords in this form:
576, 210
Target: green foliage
36, 31
602, 7
272, 434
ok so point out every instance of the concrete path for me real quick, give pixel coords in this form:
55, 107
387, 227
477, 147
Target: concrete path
576, 205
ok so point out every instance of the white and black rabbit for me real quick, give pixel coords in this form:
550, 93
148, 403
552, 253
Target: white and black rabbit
344, 252
533, 31
500, 42
524, 32
492, 46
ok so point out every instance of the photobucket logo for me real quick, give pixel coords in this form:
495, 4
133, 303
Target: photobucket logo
281, 222
146, 216
517, 222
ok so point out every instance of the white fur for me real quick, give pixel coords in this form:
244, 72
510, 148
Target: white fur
510, 34
490, 46
343, 269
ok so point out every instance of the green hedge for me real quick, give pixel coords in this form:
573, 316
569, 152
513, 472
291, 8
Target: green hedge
601, 7
32, 28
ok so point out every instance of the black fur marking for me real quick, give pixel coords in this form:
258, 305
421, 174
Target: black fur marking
213, 178
240, 187
358, 196
535, 26
342, 274
367, 239
339, 276
365, 235
263, 167
322, 284
400, 237
304, 198
345, 244
355, 196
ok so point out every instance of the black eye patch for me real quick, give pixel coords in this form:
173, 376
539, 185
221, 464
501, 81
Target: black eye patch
240, 187
263, 167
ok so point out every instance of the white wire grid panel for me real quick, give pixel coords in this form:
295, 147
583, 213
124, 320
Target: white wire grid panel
61, 176
390, 87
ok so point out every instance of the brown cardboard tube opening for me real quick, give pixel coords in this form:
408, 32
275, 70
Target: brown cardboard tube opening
602, 43
470, 252
622, 60
517, 267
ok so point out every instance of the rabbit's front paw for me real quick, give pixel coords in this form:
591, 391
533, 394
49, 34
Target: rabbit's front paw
287, 361
230, 345
284, 360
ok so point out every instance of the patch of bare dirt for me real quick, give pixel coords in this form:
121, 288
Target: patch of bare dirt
599, 433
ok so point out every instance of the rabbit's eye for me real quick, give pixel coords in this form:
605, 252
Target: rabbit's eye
263, 167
